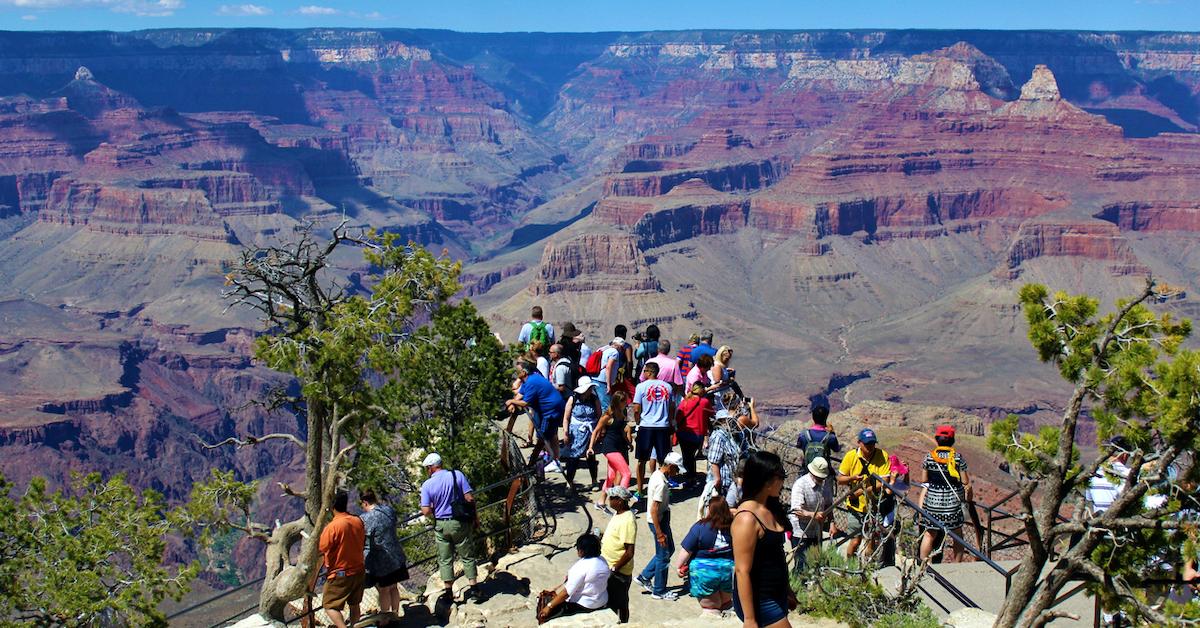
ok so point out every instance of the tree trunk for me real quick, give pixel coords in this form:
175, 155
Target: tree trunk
285, 581
1024, 583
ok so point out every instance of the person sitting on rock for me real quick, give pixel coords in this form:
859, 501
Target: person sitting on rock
617, 547
707, 559
586, 587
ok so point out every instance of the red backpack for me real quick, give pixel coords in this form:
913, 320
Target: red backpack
594, 364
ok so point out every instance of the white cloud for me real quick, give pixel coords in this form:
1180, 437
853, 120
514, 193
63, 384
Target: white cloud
243, 10
374, 15
313, 9
29, 18
148, 8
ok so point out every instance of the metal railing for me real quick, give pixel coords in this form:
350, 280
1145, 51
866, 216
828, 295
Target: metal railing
523, 510
793, 457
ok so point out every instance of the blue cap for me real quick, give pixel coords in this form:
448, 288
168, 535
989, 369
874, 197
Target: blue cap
867, 435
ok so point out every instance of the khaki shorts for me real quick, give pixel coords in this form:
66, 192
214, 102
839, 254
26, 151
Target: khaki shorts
854, 524
340, 591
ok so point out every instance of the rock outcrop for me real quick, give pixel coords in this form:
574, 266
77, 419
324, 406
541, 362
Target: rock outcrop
595, 263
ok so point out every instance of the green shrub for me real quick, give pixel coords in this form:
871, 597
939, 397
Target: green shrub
843, 589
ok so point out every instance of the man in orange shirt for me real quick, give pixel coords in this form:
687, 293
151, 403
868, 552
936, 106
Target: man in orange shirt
342, 543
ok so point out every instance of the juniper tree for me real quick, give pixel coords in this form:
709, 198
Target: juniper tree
88, 555
337, 342
1142, 388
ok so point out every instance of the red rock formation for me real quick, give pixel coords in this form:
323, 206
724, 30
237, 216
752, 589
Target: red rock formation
596, 262
1094, 240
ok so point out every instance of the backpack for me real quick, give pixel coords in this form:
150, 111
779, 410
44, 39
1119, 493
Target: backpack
595, 363
460, 508
814, 448
537, 331
572, 372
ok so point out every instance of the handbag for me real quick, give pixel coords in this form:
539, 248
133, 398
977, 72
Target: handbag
460, 508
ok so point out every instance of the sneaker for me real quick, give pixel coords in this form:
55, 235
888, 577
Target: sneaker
637, 496
646, 584
603, 508
674, 484
669, 596
554, 467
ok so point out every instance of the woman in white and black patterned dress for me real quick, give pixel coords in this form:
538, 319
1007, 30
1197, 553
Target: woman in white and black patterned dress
946, 485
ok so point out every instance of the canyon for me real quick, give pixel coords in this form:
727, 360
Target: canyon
852, 211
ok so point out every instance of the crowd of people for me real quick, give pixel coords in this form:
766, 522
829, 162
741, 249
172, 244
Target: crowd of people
672, 412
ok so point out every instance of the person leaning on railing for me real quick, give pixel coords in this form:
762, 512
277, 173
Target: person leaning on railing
857, 467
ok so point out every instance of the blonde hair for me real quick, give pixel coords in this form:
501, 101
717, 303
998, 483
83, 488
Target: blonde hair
725, 349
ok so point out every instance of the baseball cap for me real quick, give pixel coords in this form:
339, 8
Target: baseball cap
944, 430
674, 458
617, 341
432, 459
867, 435
819, 467
620, 492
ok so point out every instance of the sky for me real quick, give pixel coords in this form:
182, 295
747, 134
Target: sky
600, 15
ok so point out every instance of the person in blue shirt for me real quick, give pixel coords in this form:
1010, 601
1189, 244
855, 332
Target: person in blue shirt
705, 347
545, 405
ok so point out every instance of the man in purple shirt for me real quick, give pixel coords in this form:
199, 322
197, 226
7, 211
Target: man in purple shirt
438, 495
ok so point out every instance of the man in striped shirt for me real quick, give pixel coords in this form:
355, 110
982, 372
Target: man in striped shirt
685, 354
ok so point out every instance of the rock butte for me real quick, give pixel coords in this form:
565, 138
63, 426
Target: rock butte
852, 211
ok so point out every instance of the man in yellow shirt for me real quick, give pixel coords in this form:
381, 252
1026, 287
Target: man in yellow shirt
856, 469
617, 548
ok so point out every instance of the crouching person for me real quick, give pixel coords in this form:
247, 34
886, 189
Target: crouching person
586, 587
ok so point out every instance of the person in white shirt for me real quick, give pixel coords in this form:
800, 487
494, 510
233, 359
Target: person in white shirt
654, 577
812, 499
560, 370
586, 587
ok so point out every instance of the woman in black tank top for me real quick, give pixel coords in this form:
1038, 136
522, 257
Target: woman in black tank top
761, 591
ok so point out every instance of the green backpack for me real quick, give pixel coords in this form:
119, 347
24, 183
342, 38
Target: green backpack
537, 331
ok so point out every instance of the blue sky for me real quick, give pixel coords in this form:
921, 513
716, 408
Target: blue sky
600, 15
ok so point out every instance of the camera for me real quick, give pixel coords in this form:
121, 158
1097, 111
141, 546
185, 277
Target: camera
639, 336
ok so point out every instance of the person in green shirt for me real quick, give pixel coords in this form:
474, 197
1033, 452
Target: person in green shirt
857, 467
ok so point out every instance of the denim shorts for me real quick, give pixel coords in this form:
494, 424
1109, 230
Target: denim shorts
767, 610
